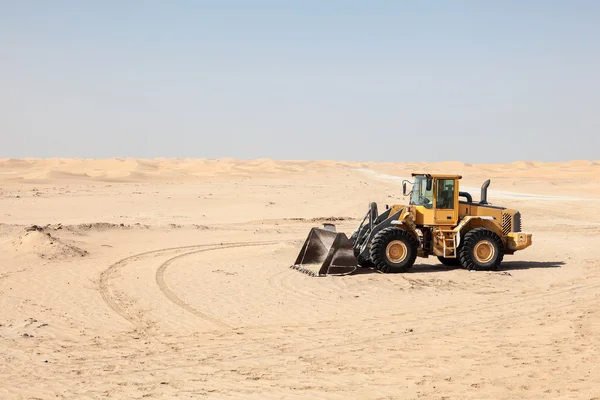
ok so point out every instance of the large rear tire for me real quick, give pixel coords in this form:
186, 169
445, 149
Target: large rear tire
393, 250
482, 249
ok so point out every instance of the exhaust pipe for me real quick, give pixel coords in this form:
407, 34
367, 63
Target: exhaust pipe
467, 195
484, 188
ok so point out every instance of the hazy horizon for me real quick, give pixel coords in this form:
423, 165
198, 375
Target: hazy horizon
250, 159
347, 81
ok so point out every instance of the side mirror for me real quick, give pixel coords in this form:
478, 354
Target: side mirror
405, 190
429, 184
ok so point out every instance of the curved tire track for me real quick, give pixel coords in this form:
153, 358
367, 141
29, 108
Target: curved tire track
109, 297
104, 284
303, 341
299, 350
175, 299
108, 294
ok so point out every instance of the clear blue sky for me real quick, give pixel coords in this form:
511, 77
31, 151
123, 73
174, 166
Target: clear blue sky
475, 81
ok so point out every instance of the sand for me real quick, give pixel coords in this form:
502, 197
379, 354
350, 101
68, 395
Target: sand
170, 278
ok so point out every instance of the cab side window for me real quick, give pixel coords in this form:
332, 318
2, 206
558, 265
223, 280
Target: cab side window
445, 194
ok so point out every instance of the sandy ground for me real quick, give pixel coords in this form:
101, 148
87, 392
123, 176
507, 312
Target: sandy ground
171, 279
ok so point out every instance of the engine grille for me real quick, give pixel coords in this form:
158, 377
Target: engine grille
511, 224
506, 223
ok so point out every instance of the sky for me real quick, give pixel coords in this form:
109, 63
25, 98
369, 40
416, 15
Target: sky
393, 81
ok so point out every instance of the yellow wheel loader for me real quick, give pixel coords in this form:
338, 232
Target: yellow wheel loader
474, 235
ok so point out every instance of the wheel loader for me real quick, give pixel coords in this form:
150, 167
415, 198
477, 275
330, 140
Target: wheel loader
439, 220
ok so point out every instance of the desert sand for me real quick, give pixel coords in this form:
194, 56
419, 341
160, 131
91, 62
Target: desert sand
170, 279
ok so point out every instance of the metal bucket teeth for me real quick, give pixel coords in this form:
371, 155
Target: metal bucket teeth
327, 252
304, 270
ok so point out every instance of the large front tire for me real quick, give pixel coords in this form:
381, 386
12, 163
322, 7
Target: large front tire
482, 249
393, 250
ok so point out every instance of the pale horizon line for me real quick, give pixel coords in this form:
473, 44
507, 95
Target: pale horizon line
532, 161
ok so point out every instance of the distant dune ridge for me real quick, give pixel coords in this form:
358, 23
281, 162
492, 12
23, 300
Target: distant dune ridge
130, 170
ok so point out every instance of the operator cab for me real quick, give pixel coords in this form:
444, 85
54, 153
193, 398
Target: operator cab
435, 198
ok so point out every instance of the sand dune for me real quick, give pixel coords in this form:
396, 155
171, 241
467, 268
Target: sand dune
169, 278
41, 242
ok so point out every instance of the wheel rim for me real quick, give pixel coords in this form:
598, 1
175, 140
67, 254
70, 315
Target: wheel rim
484, 251
396, 251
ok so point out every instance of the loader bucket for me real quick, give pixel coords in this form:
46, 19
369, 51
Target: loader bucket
326, 252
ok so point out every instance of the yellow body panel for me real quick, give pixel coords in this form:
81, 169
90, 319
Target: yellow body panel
423, 215
518, 240
444, 217
479, 210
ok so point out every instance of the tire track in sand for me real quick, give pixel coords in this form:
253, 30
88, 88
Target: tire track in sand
386, 322
344, 343
109, 295
177, 300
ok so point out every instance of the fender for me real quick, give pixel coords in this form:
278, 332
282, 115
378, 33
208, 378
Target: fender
464, 223
407, 219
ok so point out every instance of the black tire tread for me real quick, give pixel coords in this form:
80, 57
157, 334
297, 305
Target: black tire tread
381, 240
470, 239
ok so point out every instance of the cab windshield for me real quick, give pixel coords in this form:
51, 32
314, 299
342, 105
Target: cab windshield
420, 195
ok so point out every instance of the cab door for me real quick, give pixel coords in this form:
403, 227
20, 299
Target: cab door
445, 202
